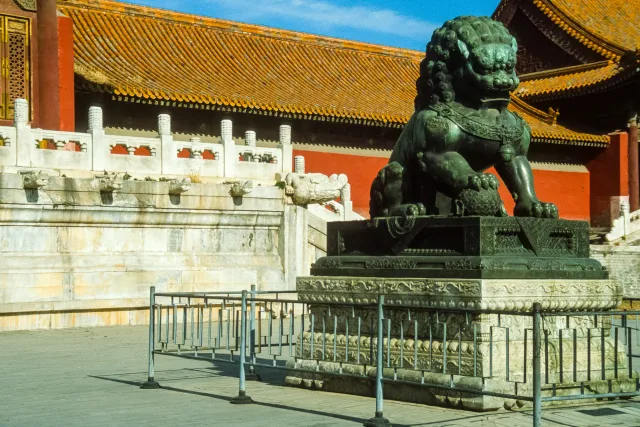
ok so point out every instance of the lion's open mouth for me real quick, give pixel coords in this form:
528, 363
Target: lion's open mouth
495, 100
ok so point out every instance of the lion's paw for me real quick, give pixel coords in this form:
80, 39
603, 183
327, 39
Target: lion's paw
536, 210
484, 181
408, 209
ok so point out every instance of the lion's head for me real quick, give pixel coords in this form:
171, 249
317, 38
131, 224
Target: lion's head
470, 58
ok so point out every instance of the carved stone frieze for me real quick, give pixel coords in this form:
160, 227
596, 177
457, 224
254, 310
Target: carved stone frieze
490, 294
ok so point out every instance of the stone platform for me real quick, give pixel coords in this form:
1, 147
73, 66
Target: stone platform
470, 351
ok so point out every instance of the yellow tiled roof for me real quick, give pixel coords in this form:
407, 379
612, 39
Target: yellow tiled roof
608, 27
160, 55
155, 55
568, 80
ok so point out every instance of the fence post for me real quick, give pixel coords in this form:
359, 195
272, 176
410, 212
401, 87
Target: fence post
151, 382
251, 375
379, 419
242, 397
537, 384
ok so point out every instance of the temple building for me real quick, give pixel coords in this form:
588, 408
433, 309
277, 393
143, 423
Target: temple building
346, 101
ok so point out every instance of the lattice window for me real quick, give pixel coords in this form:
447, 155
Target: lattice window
14, 51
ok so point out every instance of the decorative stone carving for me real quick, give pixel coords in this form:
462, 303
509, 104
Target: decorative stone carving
95, 119
179, 186
285, 134
34, 180
313, 188
298, 164
197, 149
164, 125
30, 5
239, 189
108, 183
21, 112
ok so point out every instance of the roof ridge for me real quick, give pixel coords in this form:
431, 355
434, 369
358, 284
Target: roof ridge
521, 105
571, 69
228, 25
572, 27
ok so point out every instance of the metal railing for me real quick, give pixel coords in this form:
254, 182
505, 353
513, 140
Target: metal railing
528, 358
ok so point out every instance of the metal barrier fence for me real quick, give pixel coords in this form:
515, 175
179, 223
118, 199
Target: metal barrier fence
526, 358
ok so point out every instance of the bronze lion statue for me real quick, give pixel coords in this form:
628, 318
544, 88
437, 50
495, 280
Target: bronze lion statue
460, 128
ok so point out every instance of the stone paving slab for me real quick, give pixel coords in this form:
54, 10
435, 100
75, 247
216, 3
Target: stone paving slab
90, 377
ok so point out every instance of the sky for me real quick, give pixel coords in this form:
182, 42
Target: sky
400, 23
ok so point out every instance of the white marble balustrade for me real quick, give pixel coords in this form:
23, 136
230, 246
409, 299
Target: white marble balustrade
23, 146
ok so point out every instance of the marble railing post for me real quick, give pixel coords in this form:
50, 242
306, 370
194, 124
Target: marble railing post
230, 154
287, 149
168, 156
345, 196
24, 142
99, 147
250, 138
299, 167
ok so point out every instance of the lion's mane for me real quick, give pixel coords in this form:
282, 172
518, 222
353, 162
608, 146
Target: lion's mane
443, 55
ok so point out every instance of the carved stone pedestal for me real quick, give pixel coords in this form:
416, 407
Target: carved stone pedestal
427, 342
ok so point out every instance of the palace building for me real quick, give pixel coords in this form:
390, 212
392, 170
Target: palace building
581, 59
346, 101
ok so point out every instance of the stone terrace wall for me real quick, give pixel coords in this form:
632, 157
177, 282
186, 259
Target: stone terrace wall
73, 256
623, 263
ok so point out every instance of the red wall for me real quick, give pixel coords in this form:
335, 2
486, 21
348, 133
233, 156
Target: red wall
569, 190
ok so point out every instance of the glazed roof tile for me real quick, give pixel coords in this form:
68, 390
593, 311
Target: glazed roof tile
160, 56
569, 80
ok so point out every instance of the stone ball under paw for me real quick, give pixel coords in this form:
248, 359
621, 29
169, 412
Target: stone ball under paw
485, 202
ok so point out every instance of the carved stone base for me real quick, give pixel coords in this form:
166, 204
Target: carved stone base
442, 391
491, 352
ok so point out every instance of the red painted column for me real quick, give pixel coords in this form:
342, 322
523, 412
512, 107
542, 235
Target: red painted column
609, 176
48, 66
634, 173
66, 75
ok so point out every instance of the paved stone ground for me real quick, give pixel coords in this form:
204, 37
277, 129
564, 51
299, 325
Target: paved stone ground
90, 377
